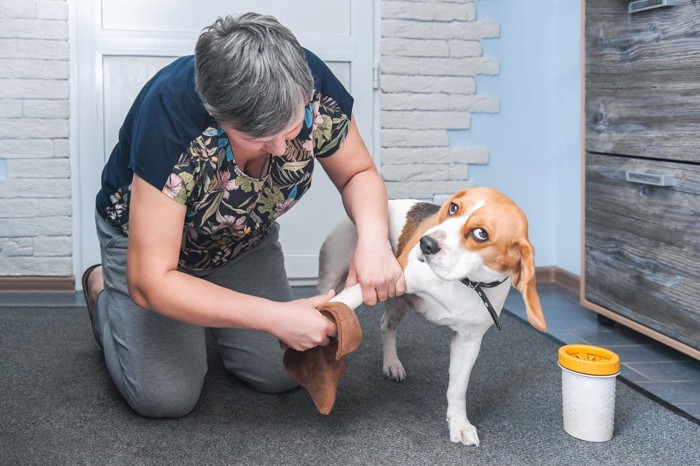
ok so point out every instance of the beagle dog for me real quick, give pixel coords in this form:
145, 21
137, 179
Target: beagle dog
459, 261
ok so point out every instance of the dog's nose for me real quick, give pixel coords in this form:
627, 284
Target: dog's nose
428, 245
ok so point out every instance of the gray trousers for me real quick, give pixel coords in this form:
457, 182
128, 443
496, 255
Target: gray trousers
157, 363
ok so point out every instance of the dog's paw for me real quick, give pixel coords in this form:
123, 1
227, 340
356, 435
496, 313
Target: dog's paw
395, 371
464, 433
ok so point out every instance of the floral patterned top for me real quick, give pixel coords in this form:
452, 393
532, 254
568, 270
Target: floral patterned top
228, 211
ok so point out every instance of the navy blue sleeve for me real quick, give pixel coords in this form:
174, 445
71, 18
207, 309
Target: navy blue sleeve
330, 109
329, 86
169, 116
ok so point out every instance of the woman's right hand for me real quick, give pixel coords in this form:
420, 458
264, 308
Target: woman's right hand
301, 326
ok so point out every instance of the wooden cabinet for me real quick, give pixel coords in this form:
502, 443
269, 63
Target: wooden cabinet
641, 262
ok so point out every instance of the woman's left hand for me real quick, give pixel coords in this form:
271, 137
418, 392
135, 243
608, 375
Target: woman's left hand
375, 268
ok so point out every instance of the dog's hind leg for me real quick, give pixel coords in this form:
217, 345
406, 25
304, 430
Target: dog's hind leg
395, 310
335, 257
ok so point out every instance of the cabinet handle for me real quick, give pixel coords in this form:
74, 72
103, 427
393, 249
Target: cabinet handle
643, 5
650, 179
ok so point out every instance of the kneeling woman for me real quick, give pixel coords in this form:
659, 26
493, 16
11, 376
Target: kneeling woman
214, 149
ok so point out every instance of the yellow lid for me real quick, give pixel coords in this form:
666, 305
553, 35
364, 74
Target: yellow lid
591, 360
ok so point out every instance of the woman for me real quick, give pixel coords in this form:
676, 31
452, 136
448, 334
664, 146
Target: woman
214, 149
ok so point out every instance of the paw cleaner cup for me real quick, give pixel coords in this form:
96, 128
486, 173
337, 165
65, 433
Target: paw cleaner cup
588, 391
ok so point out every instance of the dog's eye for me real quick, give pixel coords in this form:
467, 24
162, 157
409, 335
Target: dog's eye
480, 234
452, 209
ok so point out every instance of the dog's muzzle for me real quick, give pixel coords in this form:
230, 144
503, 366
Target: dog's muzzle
429, 246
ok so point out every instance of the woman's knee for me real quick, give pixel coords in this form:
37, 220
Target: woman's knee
273, 384
166, 400
262, 376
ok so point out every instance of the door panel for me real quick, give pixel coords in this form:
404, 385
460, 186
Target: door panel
123, 79
642, 87
306, 17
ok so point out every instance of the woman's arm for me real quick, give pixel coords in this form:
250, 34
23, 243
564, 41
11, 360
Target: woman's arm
155, 234
364, 196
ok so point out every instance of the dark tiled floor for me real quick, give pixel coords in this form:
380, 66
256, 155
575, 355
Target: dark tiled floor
659, 370
666, 374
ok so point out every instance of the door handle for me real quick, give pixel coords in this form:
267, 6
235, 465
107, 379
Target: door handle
650, 179
644, 5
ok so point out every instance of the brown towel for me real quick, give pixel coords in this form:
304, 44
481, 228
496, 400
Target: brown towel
319, 369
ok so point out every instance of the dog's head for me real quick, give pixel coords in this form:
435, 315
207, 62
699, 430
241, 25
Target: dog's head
482, 235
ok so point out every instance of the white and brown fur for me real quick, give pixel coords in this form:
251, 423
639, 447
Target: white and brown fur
438, 246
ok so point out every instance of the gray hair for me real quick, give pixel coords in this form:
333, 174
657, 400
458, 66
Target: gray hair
252, 74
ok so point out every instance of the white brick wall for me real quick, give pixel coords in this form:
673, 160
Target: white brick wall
35, 199
430, 55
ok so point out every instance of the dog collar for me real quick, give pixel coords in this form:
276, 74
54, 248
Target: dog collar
477, 286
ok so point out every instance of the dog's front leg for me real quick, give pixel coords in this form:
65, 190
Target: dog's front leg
463, 352
351, 297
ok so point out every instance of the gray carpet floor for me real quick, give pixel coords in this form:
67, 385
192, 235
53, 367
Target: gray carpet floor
58, 406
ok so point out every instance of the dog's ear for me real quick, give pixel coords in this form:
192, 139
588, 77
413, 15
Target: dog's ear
522, 269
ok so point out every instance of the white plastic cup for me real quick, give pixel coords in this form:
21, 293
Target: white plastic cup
589, 375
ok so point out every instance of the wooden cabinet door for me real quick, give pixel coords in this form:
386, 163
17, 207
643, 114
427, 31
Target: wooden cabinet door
643, 80
642, 243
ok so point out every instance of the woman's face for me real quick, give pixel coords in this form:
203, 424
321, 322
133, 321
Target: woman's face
242, 143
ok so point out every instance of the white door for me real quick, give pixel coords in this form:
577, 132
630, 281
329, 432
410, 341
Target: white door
120, 44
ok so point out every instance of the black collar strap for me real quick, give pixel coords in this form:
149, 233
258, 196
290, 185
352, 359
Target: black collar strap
477, 286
